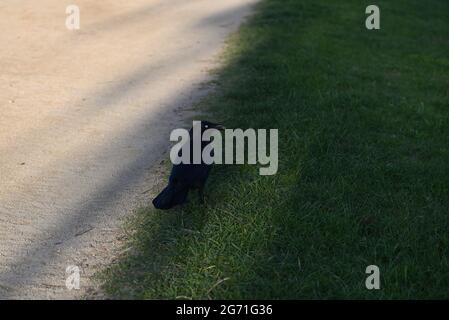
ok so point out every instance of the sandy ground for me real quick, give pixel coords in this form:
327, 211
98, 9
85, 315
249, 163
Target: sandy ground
85, 117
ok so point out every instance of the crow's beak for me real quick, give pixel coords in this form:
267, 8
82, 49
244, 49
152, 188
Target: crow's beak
220, 127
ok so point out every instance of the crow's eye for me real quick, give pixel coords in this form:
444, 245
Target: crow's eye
206, 126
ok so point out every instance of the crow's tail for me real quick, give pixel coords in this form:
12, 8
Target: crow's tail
170, 197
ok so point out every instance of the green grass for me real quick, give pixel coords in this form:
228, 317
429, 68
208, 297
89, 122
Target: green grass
363, 119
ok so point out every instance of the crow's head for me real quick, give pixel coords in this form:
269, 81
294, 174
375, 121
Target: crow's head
210, 125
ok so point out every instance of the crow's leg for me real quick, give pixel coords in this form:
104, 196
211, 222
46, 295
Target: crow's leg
201, 194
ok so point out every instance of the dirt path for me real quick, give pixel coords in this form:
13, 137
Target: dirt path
84, 117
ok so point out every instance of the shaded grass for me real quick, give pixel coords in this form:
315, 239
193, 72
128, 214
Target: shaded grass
363, 174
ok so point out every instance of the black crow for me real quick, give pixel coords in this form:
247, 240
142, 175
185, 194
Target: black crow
184, 177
